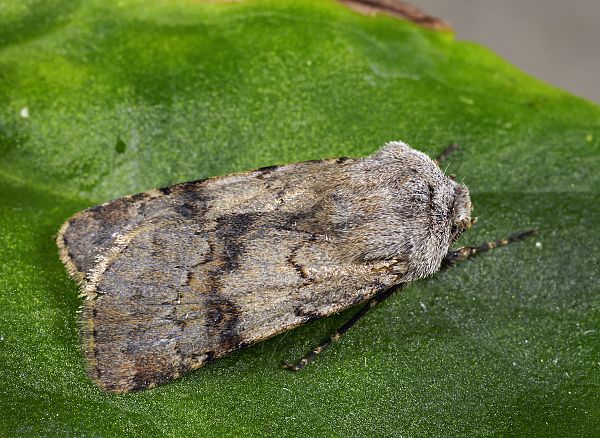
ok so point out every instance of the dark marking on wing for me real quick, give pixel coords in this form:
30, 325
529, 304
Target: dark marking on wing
138, 197
291, 259
187, 210
189, 277
184, 366
264, 171
222, 316
193, 203
189, 186
342, 160
304, 221
183, 187
231, 230
155, 368
306, 316
112, 212
90, 232
196, 196
210, 355
67, 242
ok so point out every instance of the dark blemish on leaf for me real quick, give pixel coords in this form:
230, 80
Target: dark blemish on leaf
120, 146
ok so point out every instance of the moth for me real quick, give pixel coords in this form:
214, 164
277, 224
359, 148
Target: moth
178, 276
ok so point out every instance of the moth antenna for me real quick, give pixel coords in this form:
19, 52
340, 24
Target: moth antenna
467, 252
454, 256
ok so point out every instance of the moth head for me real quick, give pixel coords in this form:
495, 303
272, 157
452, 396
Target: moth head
460, 212
402, 207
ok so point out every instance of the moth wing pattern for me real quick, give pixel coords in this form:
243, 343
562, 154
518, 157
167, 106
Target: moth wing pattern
175, 277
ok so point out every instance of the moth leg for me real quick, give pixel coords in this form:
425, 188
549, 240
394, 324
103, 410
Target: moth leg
326, 343
466, 252
446, 153
452, 257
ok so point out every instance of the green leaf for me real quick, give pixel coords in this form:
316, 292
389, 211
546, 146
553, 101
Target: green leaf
99, 99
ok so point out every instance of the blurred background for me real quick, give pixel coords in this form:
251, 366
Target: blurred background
556, 41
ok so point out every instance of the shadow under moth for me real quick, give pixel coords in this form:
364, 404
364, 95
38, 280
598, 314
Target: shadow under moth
175, 277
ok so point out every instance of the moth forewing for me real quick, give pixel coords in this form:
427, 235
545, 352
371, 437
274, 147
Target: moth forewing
175, 277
